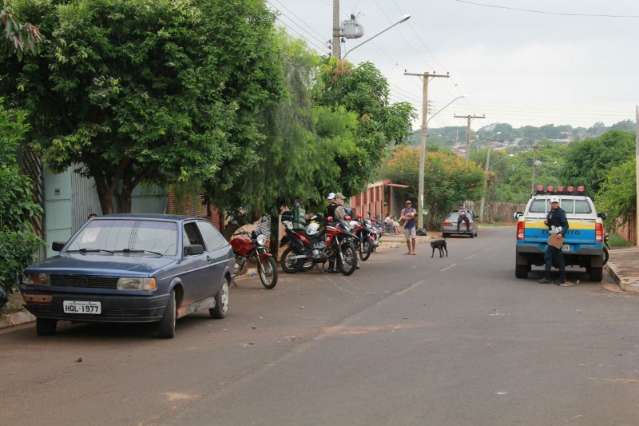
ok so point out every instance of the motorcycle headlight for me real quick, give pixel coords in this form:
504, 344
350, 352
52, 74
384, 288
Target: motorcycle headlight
137, 284
261, 239
35, 279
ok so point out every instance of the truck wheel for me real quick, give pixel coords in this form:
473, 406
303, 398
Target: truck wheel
521, 271
46, 327
596, 274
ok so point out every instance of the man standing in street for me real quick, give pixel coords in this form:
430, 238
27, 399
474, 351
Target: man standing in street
462, 216
557, 224
407, 219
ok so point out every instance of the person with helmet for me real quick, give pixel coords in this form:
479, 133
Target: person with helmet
332, 205
557, 224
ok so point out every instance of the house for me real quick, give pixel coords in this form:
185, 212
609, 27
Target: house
380, 199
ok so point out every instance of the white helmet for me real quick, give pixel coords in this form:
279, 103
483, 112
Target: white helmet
331, 196
554, 200
312, 228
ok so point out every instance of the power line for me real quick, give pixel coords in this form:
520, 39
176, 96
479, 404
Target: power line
310, 43
281, 15
546, 12
302, 22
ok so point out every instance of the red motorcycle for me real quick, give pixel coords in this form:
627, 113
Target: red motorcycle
318, 244
253, 247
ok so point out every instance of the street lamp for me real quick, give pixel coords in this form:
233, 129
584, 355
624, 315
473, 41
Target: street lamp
401, 21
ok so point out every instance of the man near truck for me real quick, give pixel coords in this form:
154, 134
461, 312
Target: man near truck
557, 224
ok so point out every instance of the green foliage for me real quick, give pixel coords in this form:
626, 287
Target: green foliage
590, 160
617, 196
17, 240
363, 90
448, 179
617, 241
129, 91
19, 37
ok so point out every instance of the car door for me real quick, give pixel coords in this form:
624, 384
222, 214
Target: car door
218, 254
197, 273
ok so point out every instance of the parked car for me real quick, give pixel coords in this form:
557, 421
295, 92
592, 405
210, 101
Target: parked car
449, 226
132, 269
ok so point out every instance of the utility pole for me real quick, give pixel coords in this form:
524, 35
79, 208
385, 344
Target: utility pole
468, 119
637, 177
483, 194
337, 31
424, 139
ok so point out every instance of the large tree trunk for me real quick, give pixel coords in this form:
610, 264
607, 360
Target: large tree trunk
124, 200
105, 194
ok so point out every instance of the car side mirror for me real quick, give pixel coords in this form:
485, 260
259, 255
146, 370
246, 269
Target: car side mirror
517, 215
603, 216
57, 246
193, 250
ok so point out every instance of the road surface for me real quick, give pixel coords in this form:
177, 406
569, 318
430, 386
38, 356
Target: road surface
407, 340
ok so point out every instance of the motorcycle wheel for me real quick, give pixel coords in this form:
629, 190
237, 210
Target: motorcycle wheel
290, 266
365, 249
267, 270
347, 262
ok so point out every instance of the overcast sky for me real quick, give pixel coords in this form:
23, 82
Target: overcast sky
516, 67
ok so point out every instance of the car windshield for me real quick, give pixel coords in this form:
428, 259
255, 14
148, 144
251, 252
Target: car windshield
105, 236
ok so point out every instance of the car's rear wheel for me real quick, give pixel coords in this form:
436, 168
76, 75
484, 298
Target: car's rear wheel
221, 302
166, 327
521, 271
46, 327
596, 274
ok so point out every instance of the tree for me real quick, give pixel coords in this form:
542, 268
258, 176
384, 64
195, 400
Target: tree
589, 161
363, 89
20, 37
449, 179
131, 91
17, 239
617, 196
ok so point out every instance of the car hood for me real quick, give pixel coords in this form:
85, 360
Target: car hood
110, 265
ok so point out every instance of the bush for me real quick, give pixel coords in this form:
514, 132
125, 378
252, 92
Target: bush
18, 242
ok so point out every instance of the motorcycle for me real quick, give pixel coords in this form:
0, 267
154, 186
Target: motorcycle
364, 242
318, 243
253, 247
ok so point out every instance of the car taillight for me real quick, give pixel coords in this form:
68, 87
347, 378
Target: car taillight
446, 223
521, 227
599, 231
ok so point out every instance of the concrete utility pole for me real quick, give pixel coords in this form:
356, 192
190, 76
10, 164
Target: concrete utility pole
337, 31
424, 139
483, 194
637, 177
468, 119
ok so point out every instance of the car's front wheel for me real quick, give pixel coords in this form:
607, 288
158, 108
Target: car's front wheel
221, 302
166, 327
46, 327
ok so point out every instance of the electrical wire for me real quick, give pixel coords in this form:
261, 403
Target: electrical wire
302, 22
546, 12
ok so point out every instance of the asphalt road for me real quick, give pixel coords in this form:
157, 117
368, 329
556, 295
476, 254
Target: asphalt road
407, 340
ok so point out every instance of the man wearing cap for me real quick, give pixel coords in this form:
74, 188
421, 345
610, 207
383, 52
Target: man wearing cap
332, 205
557, 227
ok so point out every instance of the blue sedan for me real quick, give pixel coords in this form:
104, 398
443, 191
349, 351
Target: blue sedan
132, 269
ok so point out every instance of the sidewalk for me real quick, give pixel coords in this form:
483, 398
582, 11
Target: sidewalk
623, 267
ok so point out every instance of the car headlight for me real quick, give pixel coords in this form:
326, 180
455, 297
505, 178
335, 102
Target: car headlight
137, 284
261, 239
35, 279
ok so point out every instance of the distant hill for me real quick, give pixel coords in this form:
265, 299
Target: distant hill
505, 136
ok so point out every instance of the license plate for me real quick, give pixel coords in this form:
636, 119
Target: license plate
81, 307
565, 248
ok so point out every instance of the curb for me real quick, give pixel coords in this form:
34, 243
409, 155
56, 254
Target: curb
16, 319
629, 285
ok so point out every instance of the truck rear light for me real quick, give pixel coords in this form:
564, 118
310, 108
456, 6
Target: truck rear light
599, 231
539, 188
581, 188
550, 189
560, 189
521, 227
570, 188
